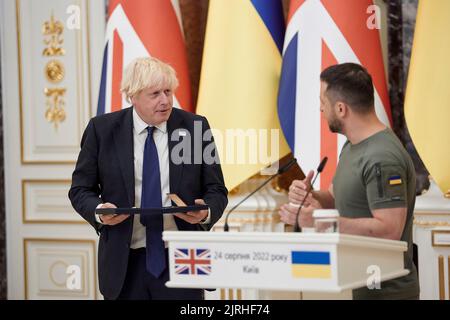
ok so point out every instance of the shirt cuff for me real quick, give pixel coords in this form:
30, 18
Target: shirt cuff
208, 218
97, 216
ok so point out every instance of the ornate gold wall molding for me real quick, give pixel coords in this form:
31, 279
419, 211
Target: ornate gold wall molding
424, 223
54, 71
52, 31
55, 112
441, 277
71, 71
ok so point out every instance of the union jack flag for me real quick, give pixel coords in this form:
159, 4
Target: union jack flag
142, 28
193, 261
321, 33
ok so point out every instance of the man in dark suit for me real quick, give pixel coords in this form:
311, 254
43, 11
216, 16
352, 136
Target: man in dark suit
133, 158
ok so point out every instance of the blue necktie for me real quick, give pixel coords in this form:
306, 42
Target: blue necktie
151, 197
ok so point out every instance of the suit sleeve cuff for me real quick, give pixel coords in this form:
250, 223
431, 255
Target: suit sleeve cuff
97, 216
207, 219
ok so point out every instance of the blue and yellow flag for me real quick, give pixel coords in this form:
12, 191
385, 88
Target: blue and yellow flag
427, 101
311, 264
239, 83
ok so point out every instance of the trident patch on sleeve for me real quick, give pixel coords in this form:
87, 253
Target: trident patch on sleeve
395, 180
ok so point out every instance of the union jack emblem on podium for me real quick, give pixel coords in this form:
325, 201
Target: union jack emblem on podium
193, 261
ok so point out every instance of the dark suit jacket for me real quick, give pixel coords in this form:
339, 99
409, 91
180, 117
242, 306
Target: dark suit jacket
105, 173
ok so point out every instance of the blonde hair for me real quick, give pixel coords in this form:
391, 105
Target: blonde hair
146, 72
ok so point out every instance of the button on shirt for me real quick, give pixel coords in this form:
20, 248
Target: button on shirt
160, 136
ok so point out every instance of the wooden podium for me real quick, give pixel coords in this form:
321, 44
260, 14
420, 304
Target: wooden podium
320, 265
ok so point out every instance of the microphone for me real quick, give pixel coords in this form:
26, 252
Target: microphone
320, 168
281, 170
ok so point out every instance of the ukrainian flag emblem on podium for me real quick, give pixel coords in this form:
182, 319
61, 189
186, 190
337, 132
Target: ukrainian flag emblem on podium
311, 264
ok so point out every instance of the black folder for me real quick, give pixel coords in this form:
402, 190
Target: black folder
163, 210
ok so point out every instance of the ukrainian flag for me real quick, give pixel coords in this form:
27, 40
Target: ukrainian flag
427, 101
239, 80
395, 180
311, 264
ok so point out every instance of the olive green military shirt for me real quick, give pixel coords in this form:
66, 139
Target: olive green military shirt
377, 173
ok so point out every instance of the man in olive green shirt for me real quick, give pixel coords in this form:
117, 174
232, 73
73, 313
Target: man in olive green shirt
374, 184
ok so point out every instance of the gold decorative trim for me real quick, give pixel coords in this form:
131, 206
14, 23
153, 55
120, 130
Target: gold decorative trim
253, 220
21, 113
79, 241
246, 220
422, 223
441, 278
55, 112
89, 58
25, 220
448, 276
52, 31
257, 217
19, 57
265, 211
54, 71
80, 67
223, 294
230, 294
433, 239
431, 214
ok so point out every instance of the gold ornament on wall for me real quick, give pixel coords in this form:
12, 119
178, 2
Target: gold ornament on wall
52, 31
55, 112
54, 71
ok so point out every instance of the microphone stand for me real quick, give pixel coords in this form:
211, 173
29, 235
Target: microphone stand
320, 168
283, 169
297, 227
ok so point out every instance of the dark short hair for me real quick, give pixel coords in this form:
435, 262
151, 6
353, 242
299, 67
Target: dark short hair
351, 84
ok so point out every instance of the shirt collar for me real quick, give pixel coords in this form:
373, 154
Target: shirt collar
140, 125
